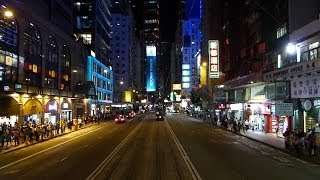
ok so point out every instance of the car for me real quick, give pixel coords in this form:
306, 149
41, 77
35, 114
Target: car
132, 114
159, 116
120, 119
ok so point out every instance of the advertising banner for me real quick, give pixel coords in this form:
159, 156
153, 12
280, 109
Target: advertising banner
283, 109
151, 68
307, 87
213, 46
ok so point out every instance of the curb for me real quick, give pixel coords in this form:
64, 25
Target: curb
18, 148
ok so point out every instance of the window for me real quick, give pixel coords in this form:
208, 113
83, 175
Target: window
8, 31
51, 66
65, 68
33, 55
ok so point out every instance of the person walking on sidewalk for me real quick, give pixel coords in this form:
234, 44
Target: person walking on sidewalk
286, 135
312, 143
16, 135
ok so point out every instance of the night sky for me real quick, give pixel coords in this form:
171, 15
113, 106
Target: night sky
168, 17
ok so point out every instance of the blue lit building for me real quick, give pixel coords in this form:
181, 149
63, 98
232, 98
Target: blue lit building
102, 78
191, 43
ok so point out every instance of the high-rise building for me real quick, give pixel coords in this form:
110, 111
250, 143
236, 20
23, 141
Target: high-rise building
92, 25
151, 36
92, 20
40, 63
120, 43
191, 37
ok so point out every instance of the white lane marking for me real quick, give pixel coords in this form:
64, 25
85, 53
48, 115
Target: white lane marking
287, 164
300, 160
61, 160
193, 171
52, 147
282, 159
107, 160
12, 172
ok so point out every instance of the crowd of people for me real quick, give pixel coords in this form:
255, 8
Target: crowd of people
301, 143
30, 131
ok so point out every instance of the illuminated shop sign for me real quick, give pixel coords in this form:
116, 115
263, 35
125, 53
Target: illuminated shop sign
213, 58
151, 68
53, 107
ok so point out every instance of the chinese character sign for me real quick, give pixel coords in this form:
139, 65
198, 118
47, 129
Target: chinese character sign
151, 68
305, 87
213, 58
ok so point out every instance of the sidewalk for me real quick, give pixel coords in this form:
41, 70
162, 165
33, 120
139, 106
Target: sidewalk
23, 145
275, 142
270, 140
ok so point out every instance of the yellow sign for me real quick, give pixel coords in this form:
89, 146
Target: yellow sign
127, 96
8, 60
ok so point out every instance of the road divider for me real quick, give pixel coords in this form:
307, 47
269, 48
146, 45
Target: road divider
107, 160
193, 171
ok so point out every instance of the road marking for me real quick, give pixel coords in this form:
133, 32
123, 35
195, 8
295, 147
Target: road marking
282, 159
84, 147
300, 160
64, 159
99, 137
193, 171
107, 160
12, 172
52, 147
287, 164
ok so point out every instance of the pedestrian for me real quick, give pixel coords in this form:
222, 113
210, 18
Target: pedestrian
16, 135
277, 131
312, 147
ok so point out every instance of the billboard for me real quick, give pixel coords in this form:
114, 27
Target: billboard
213, 46
151, 68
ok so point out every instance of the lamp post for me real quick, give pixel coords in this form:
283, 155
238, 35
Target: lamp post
28, 80
121, 83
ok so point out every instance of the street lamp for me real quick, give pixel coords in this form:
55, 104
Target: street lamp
291, 48
28, 80
121, 83
8, 14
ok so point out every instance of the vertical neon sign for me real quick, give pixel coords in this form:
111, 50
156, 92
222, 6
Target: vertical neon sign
213, 58
151, 68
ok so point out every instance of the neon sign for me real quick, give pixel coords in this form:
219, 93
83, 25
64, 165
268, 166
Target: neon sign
213, 58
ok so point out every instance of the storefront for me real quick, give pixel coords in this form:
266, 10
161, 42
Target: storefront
221, 110
305, 95
51, 113
32, 111
235, 112
10, 110
258, 115
66, 110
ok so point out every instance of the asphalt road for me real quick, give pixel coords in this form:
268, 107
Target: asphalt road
178, 148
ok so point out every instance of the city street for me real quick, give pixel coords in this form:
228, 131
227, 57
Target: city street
179, 148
